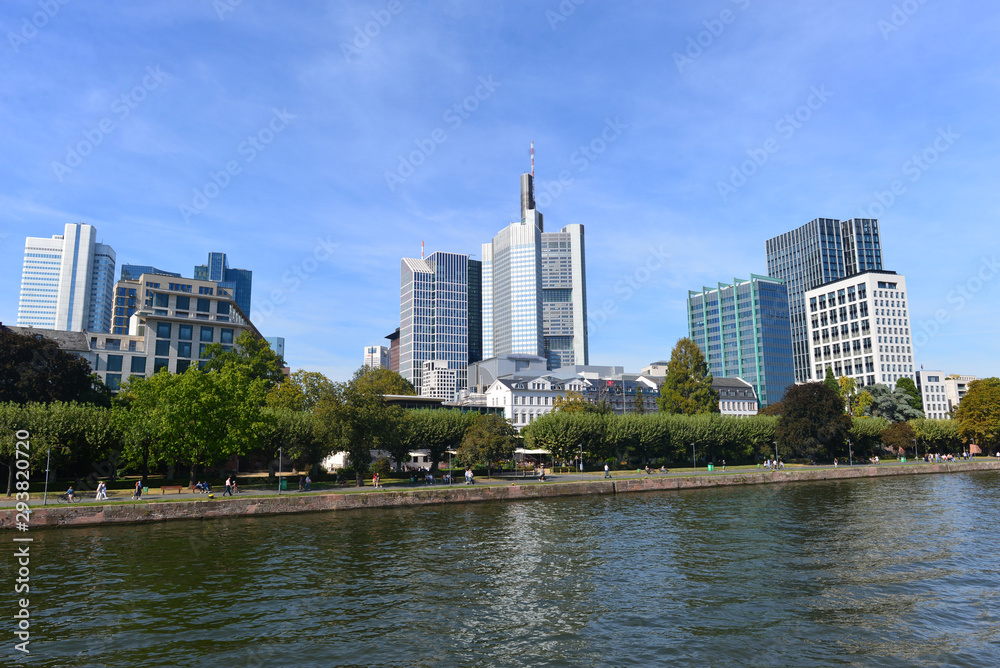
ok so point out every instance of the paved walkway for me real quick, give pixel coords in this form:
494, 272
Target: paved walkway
155, 494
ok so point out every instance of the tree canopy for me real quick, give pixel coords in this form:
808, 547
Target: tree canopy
687, 388
892, 404
251, 355
34, 369
488, 439
812, 421
978, 414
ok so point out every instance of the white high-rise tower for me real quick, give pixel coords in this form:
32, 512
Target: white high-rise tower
67, 282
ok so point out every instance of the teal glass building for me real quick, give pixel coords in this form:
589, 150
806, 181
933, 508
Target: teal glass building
742, 329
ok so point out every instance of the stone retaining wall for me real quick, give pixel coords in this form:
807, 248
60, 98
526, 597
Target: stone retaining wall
66, 515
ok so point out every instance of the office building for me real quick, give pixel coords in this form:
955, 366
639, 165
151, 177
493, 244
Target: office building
67, 281
822, 250
475, 292
277, 344
394, 350
439, 380
377, 357
860, 328
171, 328
239, 282
434, 315
534, 289
941, 393
742, 329
132, 272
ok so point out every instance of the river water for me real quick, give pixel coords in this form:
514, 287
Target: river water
876, 572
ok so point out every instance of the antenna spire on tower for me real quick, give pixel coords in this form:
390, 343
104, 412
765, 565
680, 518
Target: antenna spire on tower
532, 158
421, 250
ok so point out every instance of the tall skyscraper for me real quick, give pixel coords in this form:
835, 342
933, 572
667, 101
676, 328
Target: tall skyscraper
67, 281
822, 250
535, 289
475, 310
434, 316
377, 357
238, 281
742, 330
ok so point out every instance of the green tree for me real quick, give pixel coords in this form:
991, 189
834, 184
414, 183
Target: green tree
34, 369
978, 414
301, 391
489, 439
936, 435
687, 388
251, 354
13, 420
437, 431
292, 435
573, 402
638, 402
813, 422
891, 404
899, 437
866, 436
831, 380
908, 386
355, 418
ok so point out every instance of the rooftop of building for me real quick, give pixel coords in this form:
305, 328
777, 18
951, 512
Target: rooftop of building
854, 277
70, 341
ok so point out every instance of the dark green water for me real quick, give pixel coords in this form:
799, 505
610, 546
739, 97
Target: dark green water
890, 572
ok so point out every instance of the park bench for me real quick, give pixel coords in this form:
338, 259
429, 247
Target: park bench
172, 488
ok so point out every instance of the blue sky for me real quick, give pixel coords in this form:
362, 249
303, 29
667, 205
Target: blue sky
266, 130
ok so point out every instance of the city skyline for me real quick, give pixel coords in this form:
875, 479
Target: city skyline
681, 139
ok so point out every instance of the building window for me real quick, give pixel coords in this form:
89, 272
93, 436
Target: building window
201, 349
183, 303
115, 363
160, 363
183, 349
207, 335
184, 332
222, 308
226, 335
113, 381
182, 365
163, 330
138, 365
204, 305
162, 348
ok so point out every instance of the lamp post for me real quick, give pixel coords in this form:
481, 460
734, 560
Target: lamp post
916, 454
850, 452
581, 458
694, 463
451, 472
775, 454
45, 495
279, 470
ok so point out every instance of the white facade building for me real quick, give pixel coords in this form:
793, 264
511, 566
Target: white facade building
736, 397
67, 282
377, 357
439, 381
941, 393
860, 327
525, 399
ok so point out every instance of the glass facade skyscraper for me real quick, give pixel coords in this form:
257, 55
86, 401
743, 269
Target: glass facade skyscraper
535, 289
475, 310
742, 329
239, 282
822, 250
434, 315
67, 281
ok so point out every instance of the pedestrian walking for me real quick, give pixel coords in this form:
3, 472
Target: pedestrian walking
138, 490
309, 483
102, 491
229, 486
607, 470
723, 464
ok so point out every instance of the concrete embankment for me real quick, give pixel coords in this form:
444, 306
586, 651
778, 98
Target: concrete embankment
116, 513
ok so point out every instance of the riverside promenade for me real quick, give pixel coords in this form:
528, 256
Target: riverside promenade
198, 507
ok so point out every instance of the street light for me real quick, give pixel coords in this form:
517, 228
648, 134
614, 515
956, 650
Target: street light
279, 470
775, 454
850, 452
694, 464
581, 457
916, 454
